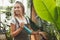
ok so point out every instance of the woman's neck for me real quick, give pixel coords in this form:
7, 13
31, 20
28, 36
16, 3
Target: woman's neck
20, 17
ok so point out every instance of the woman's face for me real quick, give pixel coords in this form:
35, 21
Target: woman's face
18, 9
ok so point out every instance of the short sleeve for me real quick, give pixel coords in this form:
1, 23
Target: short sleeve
13, 21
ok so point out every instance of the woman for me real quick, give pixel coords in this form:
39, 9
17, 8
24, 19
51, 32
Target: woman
18, 22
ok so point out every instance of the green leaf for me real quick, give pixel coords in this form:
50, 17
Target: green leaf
45, 9
58, 21
58, 3
49, 10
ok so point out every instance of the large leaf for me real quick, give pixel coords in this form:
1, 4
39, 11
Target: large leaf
49, 10
45, 9
58, 3
58, 21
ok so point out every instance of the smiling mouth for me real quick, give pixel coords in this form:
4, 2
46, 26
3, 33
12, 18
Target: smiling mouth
18, 12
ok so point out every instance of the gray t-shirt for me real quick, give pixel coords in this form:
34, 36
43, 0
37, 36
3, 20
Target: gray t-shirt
23, 35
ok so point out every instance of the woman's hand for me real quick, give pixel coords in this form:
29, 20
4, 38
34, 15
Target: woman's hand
22, 25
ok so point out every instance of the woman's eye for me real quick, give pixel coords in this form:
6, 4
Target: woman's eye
18, 7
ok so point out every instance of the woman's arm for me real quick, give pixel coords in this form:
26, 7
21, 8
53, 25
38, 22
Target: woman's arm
13, 31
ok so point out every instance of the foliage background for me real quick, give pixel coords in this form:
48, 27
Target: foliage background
49, 10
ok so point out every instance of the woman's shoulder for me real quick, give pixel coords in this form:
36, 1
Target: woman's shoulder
27, 19
13, 20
